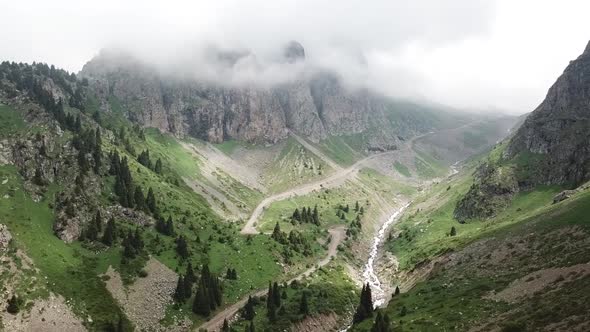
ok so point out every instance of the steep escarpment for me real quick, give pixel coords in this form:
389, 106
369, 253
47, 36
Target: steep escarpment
558, 130
551, 147
314, 105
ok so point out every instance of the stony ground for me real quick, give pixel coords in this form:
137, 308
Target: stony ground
145, 301
52, 314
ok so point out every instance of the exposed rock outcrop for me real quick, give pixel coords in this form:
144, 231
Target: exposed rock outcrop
493, 190
5, 237
312, 105
559, 129
551, 147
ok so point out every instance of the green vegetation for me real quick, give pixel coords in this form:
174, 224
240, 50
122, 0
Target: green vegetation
345, 149
428, 166
68, 270
461, 296
228, 146
328, 291
402, 169
294, 165
11, 121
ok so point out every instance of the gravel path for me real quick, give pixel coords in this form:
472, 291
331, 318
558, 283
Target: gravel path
337, 235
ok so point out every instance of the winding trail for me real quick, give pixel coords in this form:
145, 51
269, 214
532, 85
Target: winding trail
334, 180
337, 235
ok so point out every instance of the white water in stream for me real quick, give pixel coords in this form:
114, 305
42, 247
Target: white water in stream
369, 274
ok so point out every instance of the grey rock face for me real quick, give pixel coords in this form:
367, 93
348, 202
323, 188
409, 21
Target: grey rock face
313, 107
294, 52
5, 237
559, 129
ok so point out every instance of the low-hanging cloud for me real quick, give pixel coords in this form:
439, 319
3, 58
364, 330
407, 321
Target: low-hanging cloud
466, 53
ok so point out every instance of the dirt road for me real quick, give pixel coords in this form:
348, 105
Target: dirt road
337, 235
334, 180
316, 151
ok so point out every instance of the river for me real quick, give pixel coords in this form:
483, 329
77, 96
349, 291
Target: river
369, 274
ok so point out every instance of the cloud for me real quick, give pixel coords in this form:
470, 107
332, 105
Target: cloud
465, 53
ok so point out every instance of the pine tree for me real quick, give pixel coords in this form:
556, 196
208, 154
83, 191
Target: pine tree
250, 328
249, 312
201, 305
91, 233
381, 323
179, 294
110, 233
303, 305
271, 312
396, 290
13, 305
182, 247
98, 221
188, 287
139, 199
151, 201
296, 215
365, 308
315, 216
276, 294
225, 327
158, 167
356, 206
453, 231
190, 274
78, 124
269, 296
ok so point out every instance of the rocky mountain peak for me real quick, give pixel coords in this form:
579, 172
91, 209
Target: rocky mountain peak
294, 52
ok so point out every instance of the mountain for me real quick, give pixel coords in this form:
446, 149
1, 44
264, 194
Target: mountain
134, 199
503, 245
315, 105
556, 133
551, 147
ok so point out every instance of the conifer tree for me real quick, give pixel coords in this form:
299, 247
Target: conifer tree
303, 305
13, 305
269, 296
190, 274
365, 308
182, 247
276, 294
110, 233
225, 327
98, 221
381, 323
179, 294
201, 305
151, 201
139, 199
453, 231
91, 232
188, 287
248, 311
158, 167
315, 216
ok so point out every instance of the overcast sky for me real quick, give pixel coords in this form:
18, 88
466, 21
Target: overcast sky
496, 54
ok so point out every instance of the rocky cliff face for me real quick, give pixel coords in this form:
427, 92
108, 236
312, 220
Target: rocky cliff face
552, 146
558, 131
313, 107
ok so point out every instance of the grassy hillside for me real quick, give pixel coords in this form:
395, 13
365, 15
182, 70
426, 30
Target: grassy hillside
516, 271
